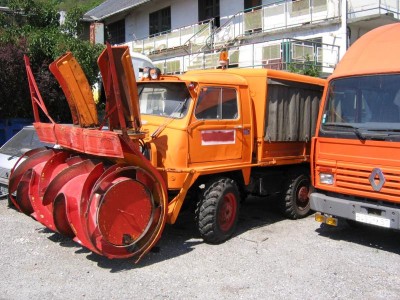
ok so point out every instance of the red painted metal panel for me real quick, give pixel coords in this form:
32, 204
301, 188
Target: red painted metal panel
102, 143
96, 142
46, 132
70, 137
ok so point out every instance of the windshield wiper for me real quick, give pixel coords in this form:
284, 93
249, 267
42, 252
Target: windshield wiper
382, 134
353, 128
387, 130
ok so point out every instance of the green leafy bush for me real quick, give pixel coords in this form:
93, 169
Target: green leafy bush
307, 68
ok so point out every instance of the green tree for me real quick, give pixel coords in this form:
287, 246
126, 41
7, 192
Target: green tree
33, 28
85, 5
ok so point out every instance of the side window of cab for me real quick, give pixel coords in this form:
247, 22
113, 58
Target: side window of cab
217, 103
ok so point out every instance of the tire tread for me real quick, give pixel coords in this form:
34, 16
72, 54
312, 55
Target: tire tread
206, 211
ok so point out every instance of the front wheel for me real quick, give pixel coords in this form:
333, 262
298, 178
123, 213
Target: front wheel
217, 210
9, 202
296, 202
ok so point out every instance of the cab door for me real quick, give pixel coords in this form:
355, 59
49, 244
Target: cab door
216, 129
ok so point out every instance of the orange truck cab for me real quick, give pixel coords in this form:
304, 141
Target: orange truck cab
355, 153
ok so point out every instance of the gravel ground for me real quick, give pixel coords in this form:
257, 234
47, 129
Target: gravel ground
269, 258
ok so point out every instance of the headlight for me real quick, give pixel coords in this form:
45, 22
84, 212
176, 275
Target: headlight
326, 178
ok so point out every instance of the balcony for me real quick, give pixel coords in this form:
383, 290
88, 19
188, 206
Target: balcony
264, 19
365, 15
278, 16
284, 54
366, 8
197, 33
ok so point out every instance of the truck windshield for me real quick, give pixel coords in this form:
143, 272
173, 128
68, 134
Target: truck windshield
363, 107
167, 99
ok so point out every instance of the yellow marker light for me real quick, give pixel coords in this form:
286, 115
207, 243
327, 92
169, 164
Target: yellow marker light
326, 178
319, 218
331, 221
326, 219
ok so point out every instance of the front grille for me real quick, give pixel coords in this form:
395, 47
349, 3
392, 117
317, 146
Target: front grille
355, 180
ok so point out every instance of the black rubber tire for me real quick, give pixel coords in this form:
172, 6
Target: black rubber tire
9, 203
217, 210
293, 206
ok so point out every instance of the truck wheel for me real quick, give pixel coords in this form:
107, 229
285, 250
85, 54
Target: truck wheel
296, 202
217, 210
9, 202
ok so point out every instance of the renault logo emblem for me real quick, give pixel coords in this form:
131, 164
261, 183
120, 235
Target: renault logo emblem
376, 179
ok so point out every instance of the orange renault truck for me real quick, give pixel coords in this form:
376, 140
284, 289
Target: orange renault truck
209, 136
356, 150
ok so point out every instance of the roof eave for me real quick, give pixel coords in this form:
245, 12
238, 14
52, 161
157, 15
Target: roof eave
96, 19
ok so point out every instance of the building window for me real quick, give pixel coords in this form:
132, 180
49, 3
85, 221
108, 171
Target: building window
160, 21
248, 4
209, 9
116, 32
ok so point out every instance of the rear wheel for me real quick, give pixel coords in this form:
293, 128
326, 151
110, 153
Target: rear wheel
217, 210
296, 201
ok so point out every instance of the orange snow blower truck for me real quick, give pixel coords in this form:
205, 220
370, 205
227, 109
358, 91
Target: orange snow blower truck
210, 136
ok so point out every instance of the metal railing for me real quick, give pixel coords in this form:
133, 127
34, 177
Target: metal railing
284, 54
283, 15
198, 42
363, 8
262, 19
196, 33
266, 18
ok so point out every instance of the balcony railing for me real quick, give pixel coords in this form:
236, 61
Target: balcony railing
277, 16
280, 15
198, 33
263, 19
282, 54
363, 8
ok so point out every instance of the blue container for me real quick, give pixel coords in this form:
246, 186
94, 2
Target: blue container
9, 127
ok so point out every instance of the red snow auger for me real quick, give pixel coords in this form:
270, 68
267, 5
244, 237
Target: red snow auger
95, 185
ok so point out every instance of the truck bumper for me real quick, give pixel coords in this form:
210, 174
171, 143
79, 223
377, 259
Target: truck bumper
383, 215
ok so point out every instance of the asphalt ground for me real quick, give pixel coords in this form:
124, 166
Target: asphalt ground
268, 258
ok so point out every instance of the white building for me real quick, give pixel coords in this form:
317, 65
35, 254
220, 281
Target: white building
179, 35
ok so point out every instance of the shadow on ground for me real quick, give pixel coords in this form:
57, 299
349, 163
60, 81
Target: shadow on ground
180, 238
370, 236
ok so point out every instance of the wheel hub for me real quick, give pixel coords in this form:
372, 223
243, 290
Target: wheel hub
302, 197
226, 217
